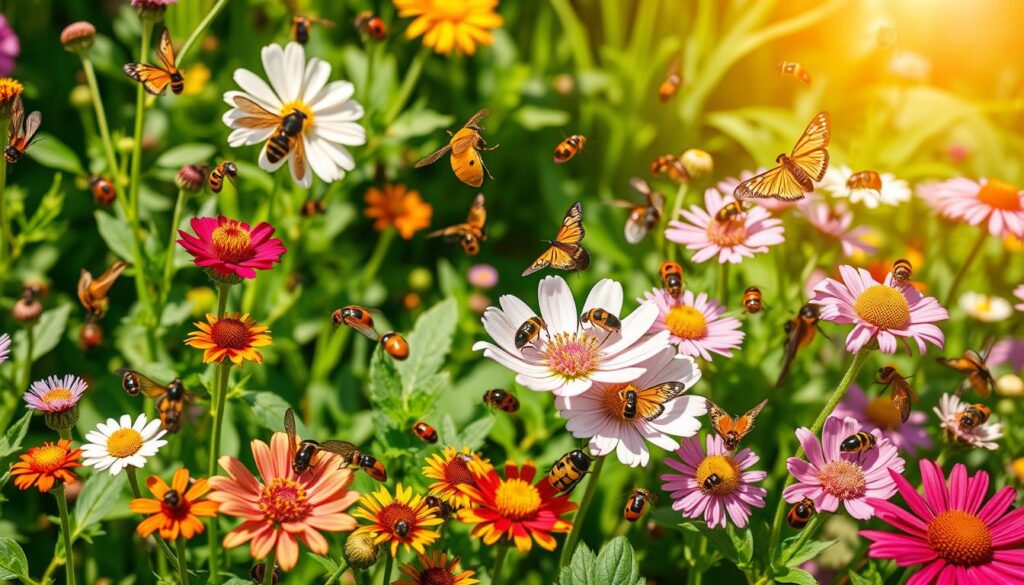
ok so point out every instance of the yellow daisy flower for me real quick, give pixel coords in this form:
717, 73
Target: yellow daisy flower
404, 518
234, 337
450, 469
451, 25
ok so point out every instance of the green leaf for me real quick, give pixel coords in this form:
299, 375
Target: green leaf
46, 334
807, 551
535, 118
116, 233
98, 497
429, 343
327, 563
743, 541
476, 432
50, 152
186, 154
238, 581
385, 387
616, 564
719, 539
857, 579
269, 411
11, 441
13, 563
581, 569
413, 124
794, 575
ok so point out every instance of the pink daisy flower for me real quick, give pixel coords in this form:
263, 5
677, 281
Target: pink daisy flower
879, 311
55, 394
880, 414
696, 324
830, 477
950, 532
729, 184
995, 202
566, 356
597, 414
1019, 293
5, 347
231, 248
742, 237
950, 412
1007, 350
732, 496
835, 222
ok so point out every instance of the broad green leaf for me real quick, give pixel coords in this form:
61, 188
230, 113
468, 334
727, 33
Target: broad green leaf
617, 564
429, 343
327, 563
806, 552
186, 154
13, 563
46, 334
269, 410
476, 432
794, 575
581, 569
99, 494
15, 434
535, 118
720, 541
50, 152
116, 233
238, 581
743, 540
385, 386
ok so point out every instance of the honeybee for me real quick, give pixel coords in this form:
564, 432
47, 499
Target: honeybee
602, 319
642, 217
672, 278
303, 452
92, 293
902, 392
568, 471
973, 365
22, 130
425, 432
371, 25
259, 570
465, 146
469, 234
799, 333
170, 399
794, 70
224, 169
865, 180
156, 79
732, 210
800, 514
568, 148
973, 416
313, 206
670, 166
673, 79
636, 505
395, 345
357, 318
902, 271
858, 443
502, 400
103, 191
731, 429
649, 403
752, 300
287, 137
529, 331
302, 25
711, 482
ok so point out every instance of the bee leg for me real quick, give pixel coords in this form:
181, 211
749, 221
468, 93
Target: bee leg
822, 331
607, 335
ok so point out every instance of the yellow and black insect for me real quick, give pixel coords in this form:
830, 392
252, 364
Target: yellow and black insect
670, 166
973, 416
672, 278
568, 148
568, 471
170, 399
602, 320
636, 505
529, 331
800, 514
902, 271
858, 443
752, 300
732, 211
711, 482
224, 169
442, 508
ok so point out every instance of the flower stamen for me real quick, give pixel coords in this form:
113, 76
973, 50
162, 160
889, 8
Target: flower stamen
884, 307
686, 322
573, 355
722, 466
961, 538
124, 443
517, 499
843, 479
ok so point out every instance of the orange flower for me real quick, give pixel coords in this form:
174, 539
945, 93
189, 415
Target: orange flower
233, 337
174, 509
451, 25
43, 466
394, 206
437, 568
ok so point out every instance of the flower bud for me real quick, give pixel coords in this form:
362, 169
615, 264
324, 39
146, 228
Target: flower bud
62, 421
80, 97
697, 163
27, 310
1010, 386
191, 178
152, 9
360, 552
219, 279
78, 36
9, 90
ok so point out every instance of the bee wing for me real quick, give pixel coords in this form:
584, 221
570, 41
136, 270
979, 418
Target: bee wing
298, 160
477, 117
656, 200
17, 117
289, 429
343, 448
32, 123
980, 383
256, 115
640, 186
432, 158
149, 387
636, 227
477, 213
900, 400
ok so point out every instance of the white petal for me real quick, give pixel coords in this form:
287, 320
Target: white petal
347, 133
295, 69
634, 326
607, 295
256, 90
245, 136
557, 306
317, 73
273, 65
332, 95
340, 155
319, 161
347, 112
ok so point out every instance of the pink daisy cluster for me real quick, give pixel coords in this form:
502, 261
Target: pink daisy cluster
697, 325
55, 394
834, 222
231, 248
743, 236
996, 203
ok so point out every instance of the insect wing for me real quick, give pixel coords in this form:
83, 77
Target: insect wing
809, 152
721, 421
289, 429
165, 51
777, 183
148, 387
745, 423
342, 448
472, 122
256, 115
31, 127
17, 118
298, 161
572, 231
477, 217
432, 158
651, 401
636, 227
153, 79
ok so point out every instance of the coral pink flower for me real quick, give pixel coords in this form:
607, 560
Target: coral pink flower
284, 508
733, 494
231, 248
830, 477
879, 311
950, 532
879, 413
742, 237
696, 323
835, 222
992, 201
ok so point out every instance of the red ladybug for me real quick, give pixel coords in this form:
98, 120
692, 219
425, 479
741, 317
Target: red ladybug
396, 345
103, 191
425, 432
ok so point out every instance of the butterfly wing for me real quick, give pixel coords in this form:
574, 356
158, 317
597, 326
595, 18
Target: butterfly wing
542, 261
745, 423
165, 51
570, 257
452, 233
809, 151
468, 166
17, 117
651, 401
721, 421
572, 231
153, 79
477, 214
777, 183
149, 387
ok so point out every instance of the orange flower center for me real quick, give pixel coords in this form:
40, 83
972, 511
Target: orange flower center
283, 500
231, 242
960, 538
437, 576
885, 416
843, 479
49, 457
727, 233
56, 394
454, 10
573, 355
883, 307
614, 399
9, 88
686, 322
393, 513
1000, 194
516, 499
124, 443
456, 472
230, 333
718, 475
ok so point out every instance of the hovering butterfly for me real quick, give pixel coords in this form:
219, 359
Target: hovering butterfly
156, 79
21, 134
733, 429
973, 365
286, 138
92, 292
565, 252
469, 234
649, 403
797, 172
170, 399
465, 146
642, 218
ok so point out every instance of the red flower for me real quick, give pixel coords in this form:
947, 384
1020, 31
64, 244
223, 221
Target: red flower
231, 248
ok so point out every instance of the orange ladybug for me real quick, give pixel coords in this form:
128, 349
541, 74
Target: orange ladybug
103, 191
502, 400
371, 25
395, 345
672, 278
425, 432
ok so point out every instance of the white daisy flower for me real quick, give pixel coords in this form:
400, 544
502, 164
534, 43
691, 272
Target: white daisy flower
950, 411
331, 114
115, 445
894, 191
598, 413
985, 307
568, 356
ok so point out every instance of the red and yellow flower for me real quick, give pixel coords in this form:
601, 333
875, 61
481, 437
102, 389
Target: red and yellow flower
437, 568
42, 466
174, 509
451, 468
233, 337
403, 519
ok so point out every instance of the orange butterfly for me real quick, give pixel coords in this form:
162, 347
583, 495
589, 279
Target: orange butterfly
797, 172
973, 365
733, 429
469, 234
565, 252
649, 403
155, 79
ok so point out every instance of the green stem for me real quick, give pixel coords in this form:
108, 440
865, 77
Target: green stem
101, 118
808, 531
380, 251
199, 30
412, 75
171, 246
268, 568
387, 569
26, 368
5, 230
723, 283
499, 563
65, 529
581, 513
220, 399
337, 574
183, 564
968, 261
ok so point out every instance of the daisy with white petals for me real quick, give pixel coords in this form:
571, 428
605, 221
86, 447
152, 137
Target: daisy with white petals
567, 357
893, 192
331, 121
117, 444
951, 418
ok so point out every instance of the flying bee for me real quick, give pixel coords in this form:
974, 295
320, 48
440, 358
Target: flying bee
902, 271
313, 206
395, 345
224, 169
794, 70
711, 482
529, 331
568, 471
22, 130
425, 432
371, 25
304, 452
357, 318
973, 416
670, 166
502, 400
973, 365
468, 234
752, 300
799, 333
302, 25
733, 429
170, 399
649, 403
636, 505
642, 217
287, 135
673, 79
155, 79
103, 191
671, 278
732, 211
800, 514
858, 443
258, 571
92, 293
441, 507
568, 148
864, 180
465, 146
902, 393
602, 320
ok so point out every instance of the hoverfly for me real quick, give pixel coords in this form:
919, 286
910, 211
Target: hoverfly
465, 146
794, 70
636, 505
673, 79
670, 166
799, 333
753, 302
502, 400
92, 293
858, 443
357, 318
371, 25
170, 399
156, 79
529, 331
469, 234
800, 514
568, 148
395, 345
286, 138
973, 365
103, 191
642, 217
22, 130
973, 416
425, 432
902, 392
224, 169
568, 471
304, 452
671, 278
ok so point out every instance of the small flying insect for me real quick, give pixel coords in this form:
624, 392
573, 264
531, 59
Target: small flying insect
468, 234
358, 318
733, 429
103, 191
170, 399
649, 403
973, 365
313, 206
568, 471
711, 482
302, 25
902, 393
395, 345
902, 271
22, 130
92, 293
442, 508
568, 148
858, 443
305, 451
799, 333
287, 135
224, 169
502, 400
259, 570
972, 417
156, 79
673, 79
671, 278
565, 252
796, 173
794, 70
670, 166
602, 319
732, 211
642, 217
637, 503
371, 25
465, 146
529, 331
753, 302
425, 432
864, 181
800, 514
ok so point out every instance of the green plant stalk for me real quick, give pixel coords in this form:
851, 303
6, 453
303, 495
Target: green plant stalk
26, 367
968, 261
183, 561
723, 283
581, 513
199, 30
499, 563
101, 117
218, 420
171, 243
412, 75
133, 481
65, 530
5, 229
268, 567
337, 574
808, 531
387, 569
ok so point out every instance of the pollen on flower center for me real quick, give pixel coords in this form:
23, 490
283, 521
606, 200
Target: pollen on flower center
843, 479
686, 322
883, 307
124, 443
573, 355
457, 472
960, 538
885, 416
437, 576
394, 512
49, 457
9, 88
230, 333
56, 395
614, 399
231, 242
302, 107
723, 466
516, 499
727, 233
1000, 194
283, 500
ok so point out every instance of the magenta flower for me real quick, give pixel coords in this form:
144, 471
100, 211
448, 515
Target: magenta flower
55, 394
5, 347
830, 477
950, 532
879, 413
231, 248
742, 237
696, 324
835, 222
10, 47
879, 311
733, 495
991, 201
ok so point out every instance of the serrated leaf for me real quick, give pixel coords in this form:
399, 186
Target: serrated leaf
185, 154
13, 562
15, 434
116, 233
429, 343
384, 387
98, 497
50, 152
46, 334
807, 551
617, 564
269, 411
794, 575
581, 569
475, 432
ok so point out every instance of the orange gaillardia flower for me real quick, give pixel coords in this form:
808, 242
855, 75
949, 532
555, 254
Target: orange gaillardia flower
449, 469
438, 568
9, 90
451, 25
395, 206
174, 509
42, 466
404, 519
234, 337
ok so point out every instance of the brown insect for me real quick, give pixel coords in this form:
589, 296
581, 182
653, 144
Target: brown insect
93, 292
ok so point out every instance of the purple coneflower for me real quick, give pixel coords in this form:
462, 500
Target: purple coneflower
733, 240
10, 47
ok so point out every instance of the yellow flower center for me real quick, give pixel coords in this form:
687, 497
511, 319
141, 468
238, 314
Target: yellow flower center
725, 469
302, 107
283, 500
727, 233
573, 355
437, 576
49, 457
883, 307
516, 499
885, 416
57, 394
393, 513
124, 443
1000, 194
686, 322
230, 334
231, 242
843, 479
9, 89
614, 399
960, 538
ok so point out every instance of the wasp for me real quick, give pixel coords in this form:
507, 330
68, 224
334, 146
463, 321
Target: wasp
799, 333
794, 70
973, 416
752, 301
301, 25
732, 210
395, 345
502, 400
670, 166
672, 278
22, 130
313, 206
529, 331
800, 514
224, 169
258, 570
286, 136
103, 191
602, 319
636, 505
858, 443
170, 399
902, 392
356, 317
425, 432
441, 507
902, 271
568, 471
371, 25
973, 365
568, 148
92, 292
711, 482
